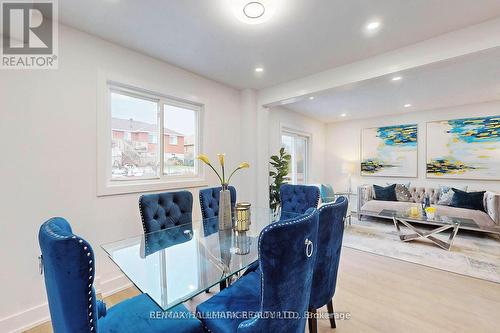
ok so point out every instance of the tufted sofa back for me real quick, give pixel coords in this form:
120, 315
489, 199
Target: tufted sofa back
366, 193
209, 201
165, 210
297, 199
69, 267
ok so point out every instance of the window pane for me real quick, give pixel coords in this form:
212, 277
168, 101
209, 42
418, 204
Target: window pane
296, 145
180, 141
134, 149
300, 159
287, 143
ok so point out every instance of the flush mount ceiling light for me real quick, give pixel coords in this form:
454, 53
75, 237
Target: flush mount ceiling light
254, 10
372, 27
396, 78
259, 69
311, 97
343, 115
407, 105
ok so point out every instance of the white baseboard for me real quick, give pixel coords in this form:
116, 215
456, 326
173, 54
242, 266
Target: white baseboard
29, 318
113, 285
24, 320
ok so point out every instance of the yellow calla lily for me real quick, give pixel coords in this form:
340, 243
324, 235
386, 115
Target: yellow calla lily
204, 158
221, 159
244, 165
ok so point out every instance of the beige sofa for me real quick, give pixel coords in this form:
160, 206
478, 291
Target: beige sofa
367, 203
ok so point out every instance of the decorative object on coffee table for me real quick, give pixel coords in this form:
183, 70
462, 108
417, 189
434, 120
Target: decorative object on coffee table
225, 214
464, 148
389, 151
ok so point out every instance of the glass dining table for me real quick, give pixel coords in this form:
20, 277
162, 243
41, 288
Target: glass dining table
175, 264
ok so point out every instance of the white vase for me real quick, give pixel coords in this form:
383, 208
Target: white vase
225, 214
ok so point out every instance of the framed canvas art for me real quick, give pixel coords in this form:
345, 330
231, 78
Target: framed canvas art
464, 148
390, 151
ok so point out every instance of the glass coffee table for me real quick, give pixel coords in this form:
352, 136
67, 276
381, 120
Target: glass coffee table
441, 222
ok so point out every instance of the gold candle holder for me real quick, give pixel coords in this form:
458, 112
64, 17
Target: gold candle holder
242, 216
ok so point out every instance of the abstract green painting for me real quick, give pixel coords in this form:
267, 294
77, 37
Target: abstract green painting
464, 148
389, 151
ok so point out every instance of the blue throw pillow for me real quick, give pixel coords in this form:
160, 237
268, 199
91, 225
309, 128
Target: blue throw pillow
469, 200
327, 194
385, 193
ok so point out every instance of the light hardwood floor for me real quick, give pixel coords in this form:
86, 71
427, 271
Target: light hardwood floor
388, 295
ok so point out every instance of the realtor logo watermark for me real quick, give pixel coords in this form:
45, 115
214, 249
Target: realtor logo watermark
29, 35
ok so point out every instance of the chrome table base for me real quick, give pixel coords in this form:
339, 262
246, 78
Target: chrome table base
427, 234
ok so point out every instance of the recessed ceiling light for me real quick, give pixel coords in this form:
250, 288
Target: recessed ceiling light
374, 25
343, 115
311, 97
407, 105
259, 69
396, 78
254, 10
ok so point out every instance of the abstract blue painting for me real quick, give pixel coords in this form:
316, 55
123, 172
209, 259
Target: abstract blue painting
390, 151
464, 148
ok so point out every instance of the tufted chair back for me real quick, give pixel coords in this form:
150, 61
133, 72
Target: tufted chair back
330, 232
165, 210
287, 251
68, 264
156, 241
209, 201
297, 199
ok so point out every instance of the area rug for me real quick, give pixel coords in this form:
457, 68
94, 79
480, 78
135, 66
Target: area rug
472, 254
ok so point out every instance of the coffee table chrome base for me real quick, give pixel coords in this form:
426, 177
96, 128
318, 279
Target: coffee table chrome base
427, 234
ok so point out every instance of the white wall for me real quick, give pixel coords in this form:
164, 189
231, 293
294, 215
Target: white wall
343, 144
281, 117
48, 168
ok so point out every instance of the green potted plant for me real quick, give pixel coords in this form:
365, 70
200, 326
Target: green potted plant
278, 174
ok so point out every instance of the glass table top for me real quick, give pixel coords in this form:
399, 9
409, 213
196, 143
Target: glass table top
175, 264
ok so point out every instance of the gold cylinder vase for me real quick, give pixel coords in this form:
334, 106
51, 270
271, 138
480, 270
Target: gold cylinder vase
242, 216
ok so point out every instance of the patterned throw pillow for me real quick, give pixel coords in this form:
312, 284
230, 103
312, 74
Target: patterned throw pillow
402, 193
446, 194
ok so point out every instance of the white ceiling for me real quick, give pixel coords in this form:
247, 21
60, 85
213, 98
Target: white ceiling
464, 80
304, 36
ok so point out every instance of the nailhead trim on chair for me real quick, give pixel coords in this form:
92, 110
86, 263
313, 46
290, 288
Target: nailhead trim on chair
146, 243
270, 227
203, 212
86, 248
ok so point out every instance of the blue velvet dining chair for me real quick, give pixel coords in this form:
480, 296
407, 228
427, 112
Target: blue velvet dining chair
69, 269
209, 203
165, 210
297, 199
330, 233
287, 251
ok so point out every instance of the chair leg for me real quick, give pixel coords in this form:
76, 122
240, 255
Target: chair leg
313, 321
331, 314
222, 285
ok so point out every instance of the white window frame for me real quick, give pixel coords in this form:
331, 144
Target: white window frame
297, 133
173, 142
106, 185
